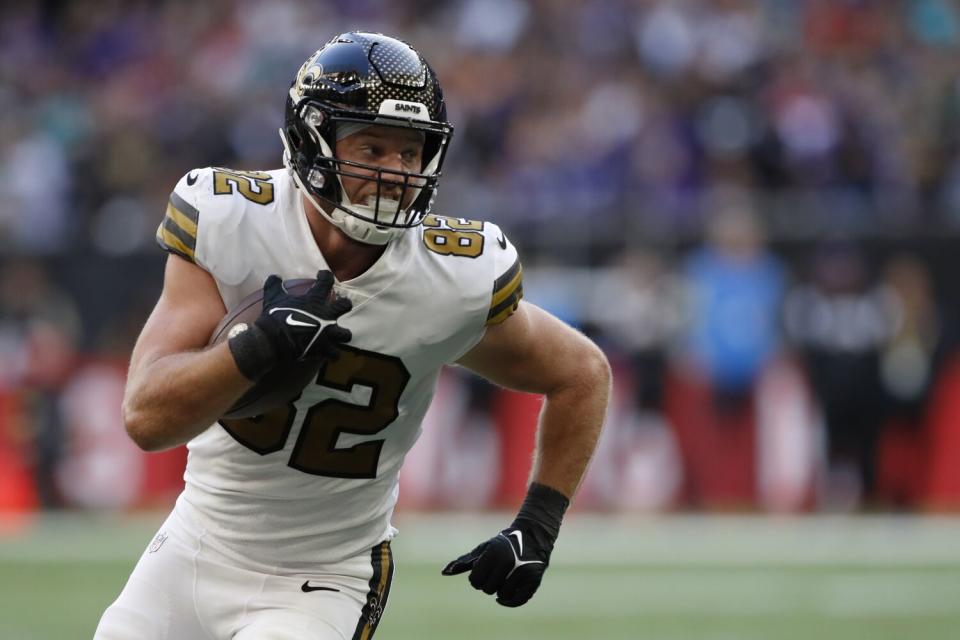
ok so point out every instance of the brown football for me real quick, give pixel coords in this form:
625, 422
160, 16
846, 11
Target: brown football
277, 387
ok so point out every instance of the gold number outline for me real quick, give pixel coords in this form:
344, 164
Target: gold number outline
315, 451
387, 377
229, 181
263, 434
453, 236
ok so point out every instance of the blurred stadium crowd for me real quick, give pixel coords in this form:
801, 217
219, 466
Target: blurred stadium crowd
750, 204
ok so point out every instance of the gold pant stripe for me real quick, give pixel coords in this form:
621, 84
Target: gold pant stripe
382, 560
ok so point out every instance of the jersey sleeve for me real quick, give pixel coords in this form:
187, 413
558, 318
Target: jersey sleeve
472, 281
177, 232
508, 279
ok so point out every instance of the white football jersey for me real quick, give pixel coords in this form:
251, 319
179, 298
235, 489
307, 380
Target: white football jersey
318, 480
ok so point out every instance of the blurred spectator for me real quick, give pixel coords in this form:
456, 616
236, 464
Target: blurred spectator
637, 307
640, 307
910, 358
841, 319
735, 289
916, 374
106, 104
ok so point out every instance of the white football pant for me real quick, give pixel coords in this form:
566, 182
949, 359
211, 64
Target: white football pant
182, 589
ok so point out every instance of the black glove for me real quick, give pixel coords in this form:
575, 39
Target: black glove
303, 327
511, 564
292, 327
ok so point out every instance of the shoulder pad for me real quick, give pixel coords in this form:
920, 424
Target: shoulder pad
177, 232
508, 277
485, 242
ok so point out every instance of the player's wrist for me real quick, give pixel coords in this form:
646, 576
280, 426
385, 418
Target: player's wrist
543, 507
253, 352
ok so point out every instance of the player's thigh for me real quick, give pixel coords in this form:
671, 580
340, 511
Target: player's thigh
288, 625
139, 612
283, 610
344, 600
156, 603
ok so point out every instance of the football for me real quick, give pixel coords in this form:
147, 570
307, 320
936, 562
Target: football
278, 387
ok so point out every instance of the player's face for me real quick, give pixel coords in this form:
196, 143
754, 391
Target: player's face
390, 148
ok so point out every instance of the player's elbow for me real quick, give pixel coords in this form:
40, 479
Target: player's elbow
138, 429
141, 427
585, 372
595, 367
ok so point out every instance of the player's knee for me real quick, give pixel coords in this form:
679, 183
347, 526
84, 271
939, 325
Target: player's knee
275, 628
121, 622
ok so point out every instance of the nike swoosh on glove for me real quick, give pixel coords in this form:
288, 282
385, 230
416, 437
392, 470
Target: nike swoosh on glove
510, 564
303, 327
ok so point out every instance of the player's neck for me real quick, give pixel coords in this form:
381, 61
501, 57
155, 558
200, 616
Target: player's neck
346, 257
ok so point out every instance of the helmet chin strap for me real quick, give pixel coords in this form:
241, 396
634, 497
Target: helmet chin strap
355, 228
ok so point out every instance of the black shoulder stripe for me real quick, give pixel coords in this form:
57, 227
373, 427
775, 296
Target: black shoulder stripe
178, 231
507, 277
505, 309
170, 248
184, 207
180, 234
507, 291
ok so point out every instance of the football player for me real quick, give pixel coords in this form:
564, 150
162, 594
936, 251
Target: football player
283, 528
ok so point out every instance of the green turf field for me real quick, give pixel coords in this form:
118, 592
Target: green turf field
676, 578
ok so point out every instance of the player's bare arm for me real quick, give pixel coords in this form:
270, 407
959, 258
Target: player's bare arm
170, 362
169, 359
533, 351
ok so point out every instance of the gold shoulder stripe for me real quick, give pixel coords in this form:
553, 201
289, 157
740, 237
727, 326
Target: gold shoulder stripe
505, 285
184, 208
185, 238
168, 241
506, 308
507, 291
182, 222
178, 231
